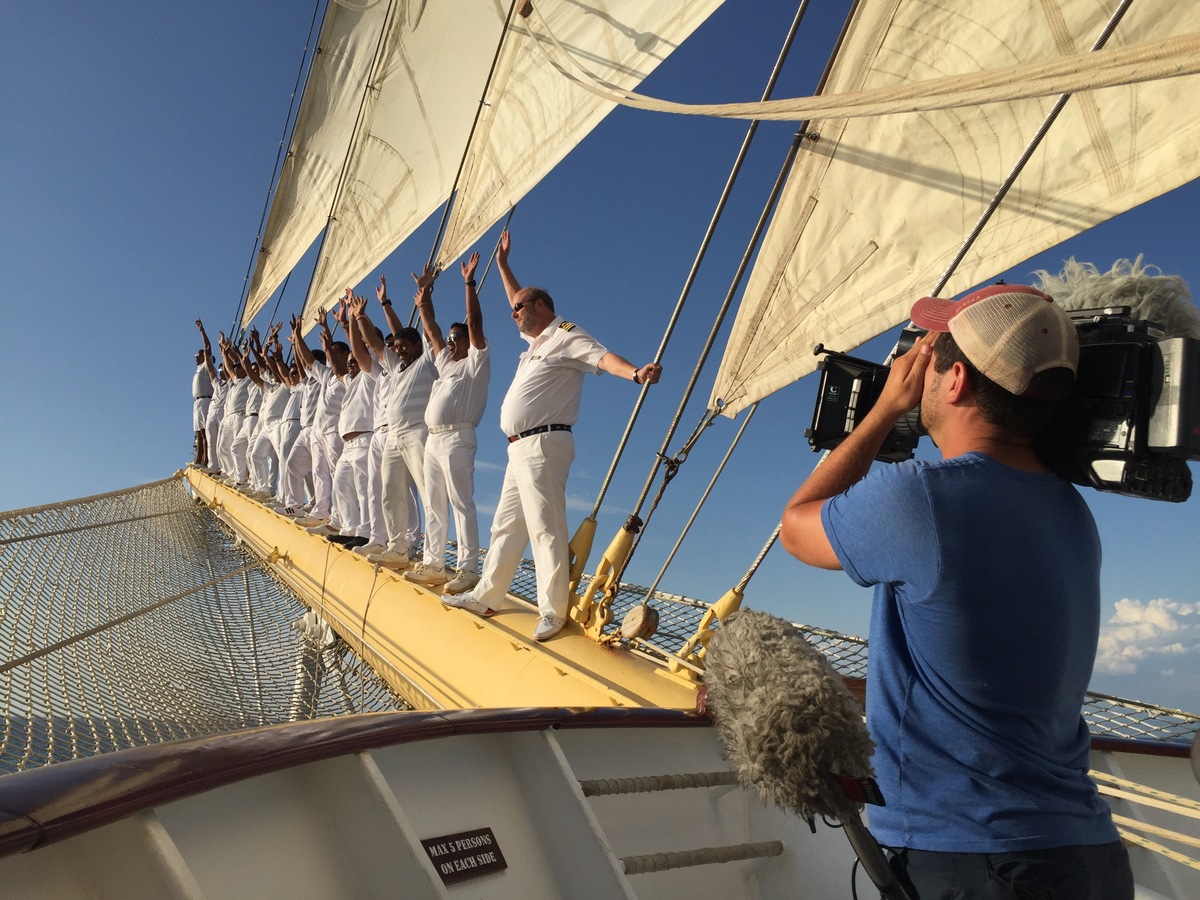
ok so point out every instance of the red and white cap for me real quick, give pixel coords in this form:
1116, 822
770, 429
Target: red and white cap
1009, 332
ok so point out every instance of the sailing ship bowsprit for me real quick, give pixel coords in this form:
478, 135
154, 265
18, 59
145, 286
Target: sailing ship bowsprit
196, 637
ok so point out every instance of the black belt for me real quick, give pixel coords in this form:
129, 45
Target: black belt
204, 397
541, 429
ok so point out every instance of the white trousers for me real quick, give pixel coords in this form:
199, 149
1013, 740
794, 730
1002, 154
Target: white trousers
402, 467
450, 481
212, 434
327, 449
231, 426
298, 465
350, 485
532, 510
376, 527
240, 448
286, 434
264, 463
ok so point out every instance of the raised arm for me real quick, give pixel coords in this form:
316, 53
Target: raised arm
304, 356
474, 318
511, 286
230, 358
423, 300
363, 335
623, 368
335, 363
256, 349
208, 354
389, 315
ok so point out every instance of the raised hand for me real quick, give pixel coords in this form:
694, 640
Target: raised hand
427, 277
468, 267
503, 247
381, 291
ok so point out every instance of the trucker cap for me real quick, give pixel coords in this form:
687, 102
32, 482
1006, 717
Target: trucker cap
1009, 332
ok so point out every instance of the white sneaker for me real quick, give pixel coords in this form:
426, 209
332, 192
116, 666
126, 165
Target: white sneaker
425, 574
368, 549
548, 627
391, 559
463, 581
310, 520
324, 530
468, 602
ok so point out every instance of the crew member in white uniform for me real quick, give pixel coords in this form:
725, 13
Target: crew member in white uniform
301, 458
216, 412
356, 425
327, 441
402, 463
539, 409
455, 408
233, 464
202, 392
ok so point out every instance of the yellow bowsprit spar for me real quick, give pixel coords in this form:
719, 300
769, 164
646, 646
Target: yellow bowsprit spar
433, 656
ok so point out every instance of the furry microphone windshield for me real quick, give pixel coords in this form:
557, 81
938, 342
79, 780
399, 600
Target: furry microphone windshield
788, 722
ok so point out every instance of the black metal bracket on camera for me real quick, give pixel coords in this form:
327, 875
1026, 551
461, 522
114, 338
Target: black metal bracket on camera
849, 388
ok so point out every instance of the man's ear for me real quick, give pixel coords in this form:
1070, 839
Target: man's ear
957, 385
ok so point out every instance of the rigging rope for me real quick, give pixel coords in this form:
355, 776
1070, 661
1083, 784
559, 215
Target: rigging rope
1149, 61
462, 163
703, 498
273, 182
355, 134
1019, 167
701, 252
760, 226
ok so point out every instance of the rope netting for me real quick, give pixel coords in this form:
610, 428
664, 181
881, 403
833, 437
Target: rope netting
134, 617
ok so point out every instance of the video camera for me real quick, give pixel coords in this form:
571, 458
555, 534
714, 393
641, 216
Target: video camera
1129, 426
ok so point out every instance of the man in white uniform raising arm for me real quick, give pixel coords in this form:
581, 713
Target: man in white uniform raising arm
455, 407
541, 406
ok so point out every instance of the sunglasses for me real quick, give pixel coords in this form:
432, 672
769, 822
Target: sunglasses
517, 307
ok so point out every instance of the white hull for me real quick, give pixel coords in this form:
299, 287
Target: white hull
338, 808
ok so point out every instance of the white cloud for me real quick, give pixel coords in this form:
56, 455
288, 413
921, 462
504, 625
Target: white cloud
1155, 633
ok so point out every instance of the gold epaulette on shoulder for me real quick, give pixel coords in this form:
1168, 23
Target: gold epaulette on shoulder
566, 326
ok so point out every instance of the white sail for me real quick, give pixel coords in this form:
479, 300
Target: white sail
373, 164
398, 163
876, 209
536, 113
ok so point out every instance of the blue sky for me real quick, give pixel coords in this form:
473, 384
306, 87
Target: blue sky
137, 144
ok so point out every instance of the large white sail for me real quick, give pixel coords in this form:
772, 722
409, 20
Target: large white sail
535, 115
876, 209
398, 163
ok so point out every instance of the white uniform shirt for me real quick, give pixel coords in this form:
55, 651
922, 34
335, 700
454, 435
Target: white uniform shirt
358, 409
382, 386
409, 390
254, 395
235, 400
291, 409
216, 410
201, 383
549, 382
333, 392
310, 396
460, 392
275, 398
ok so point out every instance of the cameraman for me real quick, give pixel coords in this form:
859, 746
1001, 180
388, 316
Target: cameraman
983, 634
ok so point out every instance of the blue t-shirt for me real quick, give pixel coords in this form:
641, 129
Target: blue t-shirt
983, 636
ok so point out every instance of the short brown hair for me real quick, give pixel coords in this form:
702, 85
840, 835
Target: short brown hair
1023, 416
